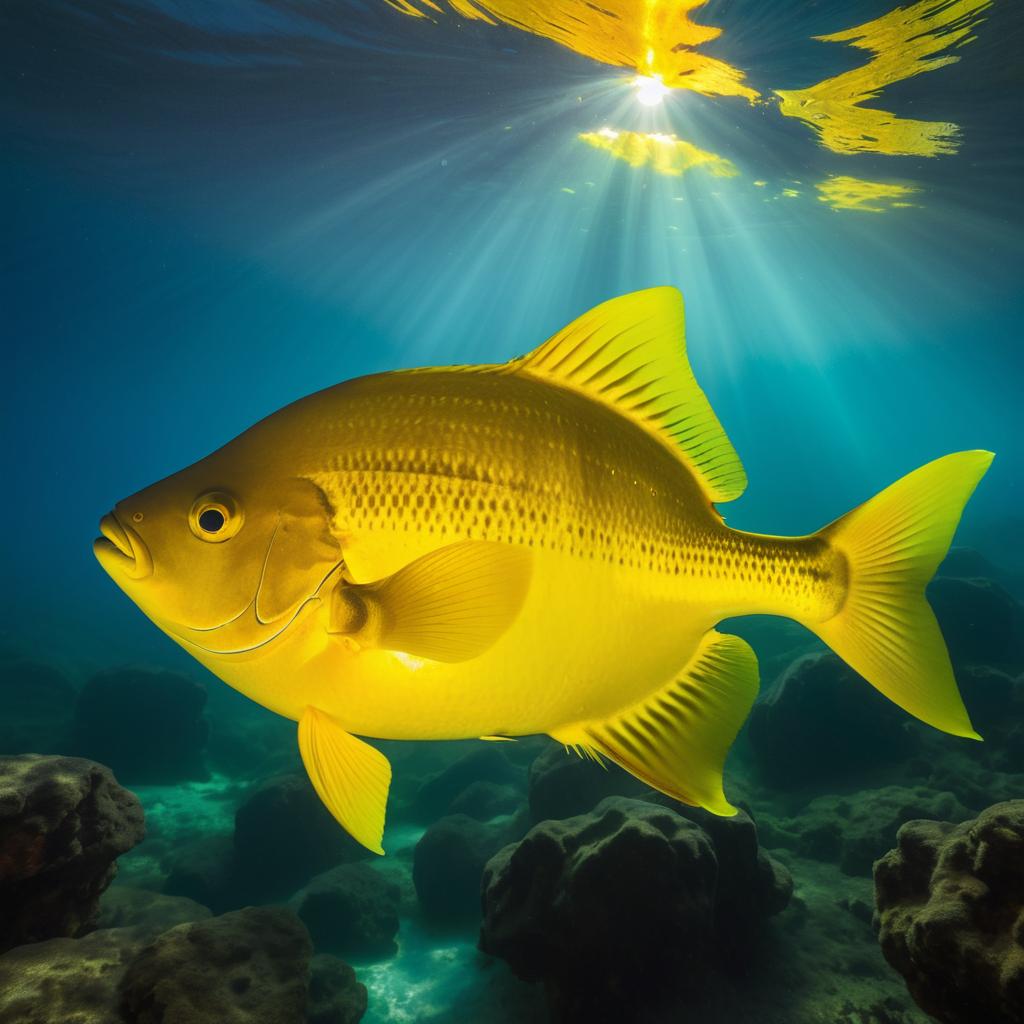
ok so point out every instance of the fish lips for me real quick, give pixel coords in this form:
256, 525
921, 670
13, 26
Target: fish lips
121, 550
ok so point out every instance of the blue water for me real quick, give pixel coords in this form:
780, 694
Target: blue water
211, 209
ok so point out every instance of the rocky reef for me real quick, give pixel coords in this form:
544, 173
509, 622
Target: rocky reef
64, 822
628, 897
174, 752
522, 882
950, 915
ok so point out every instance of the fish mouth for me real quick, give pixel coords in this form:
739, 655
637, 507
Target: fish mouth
121, 549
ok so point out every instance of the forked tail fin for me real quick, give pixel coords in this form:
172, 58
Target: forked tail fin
885, 629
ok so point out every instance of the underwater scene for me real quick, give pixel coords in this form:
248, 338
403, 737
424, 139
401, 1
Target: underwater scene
513, 512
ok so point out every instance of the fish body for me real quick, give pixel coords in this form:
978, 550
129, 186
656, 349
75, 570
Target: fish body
529, 547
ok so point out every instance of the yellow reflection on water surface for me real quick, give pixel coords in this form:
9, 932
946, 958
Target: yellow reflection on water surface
656, 38
905, 42
845, 193
664, 154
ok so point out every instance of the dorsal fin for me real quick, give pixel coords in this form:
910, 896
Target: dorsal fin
630, 353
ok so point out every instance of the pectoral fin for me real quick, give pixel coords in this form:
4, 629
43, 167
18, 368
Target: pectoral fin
454, 603
350, 776
677, 739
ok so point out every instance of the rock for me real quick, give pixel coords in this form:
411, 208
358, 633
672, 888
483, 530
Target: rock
968, 564
250, 967
203, 870
124, 906
606, 905
67, 981
994, 701
751, 884
854, 830
284, 836
982, 623
351, 910
63, 823
823, 722
246, 967
249, 743
486, 800
950, 915
335, 996
563, 785
485, 764
167, 733
448, 863
37, 701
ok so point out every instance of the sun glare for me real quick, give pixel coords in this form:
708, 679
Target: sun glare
650, 89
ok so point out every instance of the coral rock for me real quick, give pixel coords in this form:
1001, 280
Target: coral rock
335, 997
246, 967
68, 981
855, 829
63, 823
606, 905
950, 915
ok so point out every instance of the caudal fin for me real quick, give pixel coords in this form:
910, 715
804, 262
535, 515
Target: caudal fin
886, 629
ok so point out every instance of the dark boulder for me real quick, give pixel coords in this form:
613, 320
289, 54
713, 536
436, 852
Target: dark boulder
968, 564
822, 723
148, 726
487, 763
246, 967
203, 870
124, 906
64, 822
950, 915
854, 830
335, 996
608, 905
351, 910
486, 800
283, 837
37, 702
751, 884
563, 785
981, 622
449, 861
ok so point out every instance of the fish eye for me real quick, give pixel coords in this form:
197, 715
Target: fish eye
212, 519
215, 517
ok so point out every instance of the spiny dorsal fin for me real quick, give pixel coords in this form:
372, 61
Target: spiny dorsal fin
630, 353
677, 739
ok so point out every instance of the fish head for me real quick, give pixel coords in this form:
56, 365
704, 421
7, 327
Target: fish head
223, 561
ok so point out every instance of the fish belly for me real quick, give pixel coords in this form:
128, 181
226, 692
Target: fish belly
589, 641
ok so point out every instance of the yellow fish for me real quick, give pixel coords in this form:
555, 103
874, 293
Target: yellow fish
532, 547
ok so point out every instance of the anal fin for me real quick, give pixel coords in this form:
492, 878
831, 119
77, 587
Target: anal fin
350, 777
677, 739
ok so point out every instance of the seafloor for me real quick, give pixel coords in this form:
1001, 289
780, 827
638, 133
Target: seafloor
521, 883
